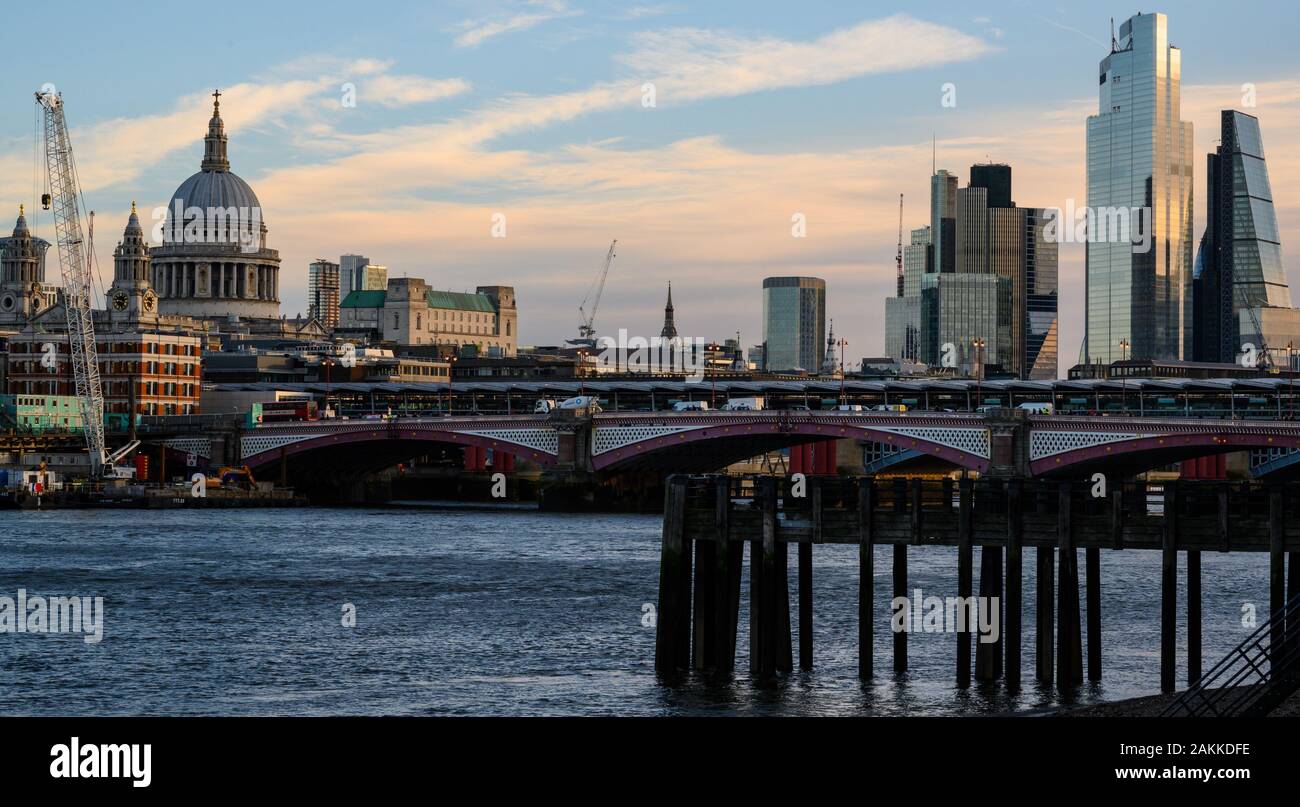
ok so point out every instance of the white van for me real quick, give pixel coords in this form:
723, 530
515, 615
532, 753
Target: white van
851, 408
742, 405
544, 406
691, 406
1036, 408
588, 402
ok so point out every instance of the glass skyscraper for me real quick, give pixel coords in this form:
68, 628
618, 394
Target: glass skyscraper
1240, 289
1140, 160
794, 323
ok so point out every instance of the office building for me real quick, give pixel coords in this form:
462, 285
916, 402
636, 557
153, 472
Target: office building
323, 292
794, 323
1239, 289
357, 273
410, 313
1139, 166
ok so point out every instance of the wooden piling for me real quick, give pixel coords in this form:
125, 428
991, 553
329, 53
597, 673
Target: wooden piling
1169, 590
1069, 655
805, 581
724, 632
900, 590
767, 585
1044, 616
964, 588
866, 581
1011, 637
1276, 564
702, 639
669, 618
988, 655
1092, 573
1193, 616
784, 636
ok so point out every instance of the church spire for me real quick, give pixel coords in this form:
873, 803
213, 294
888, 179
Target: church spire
670, 327
214, 145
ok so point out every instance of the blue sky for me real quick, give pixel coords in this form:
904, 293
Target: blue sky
532, 109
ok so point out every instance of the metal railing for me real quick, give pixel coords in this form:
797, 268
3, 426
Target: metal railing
1254, 678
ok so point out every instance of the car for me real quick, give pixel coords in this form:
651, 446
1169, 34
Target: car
691, 406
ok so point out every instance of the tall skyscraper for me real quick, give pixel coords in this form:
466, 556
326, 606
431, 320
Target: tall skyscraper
1240, 292
794, 323
1139, 161
943, 219
323, 292
1041, 302
903, 314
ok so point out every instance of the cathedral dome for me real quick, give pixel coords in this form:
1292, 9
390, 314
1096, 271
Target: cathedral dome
215, 189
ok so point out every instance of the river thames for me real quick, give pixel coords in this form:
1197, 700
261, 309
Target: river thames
463, 612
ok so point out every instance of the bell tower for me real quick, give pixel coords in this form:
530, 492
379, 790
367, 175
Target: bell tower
22, 275
131, 297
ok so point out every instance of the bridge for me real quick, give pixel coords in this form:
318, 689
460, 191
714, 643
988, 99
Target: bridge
1001, 442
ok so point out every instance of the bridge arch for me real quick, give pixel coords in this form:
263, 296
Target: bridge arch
713, 441
1065, 446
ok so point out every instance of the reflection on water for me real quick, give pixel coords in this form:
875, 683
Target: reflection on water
474, 613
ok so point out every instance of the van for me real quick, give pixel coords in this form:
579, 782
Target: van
889, 408
851, 408
1036, 407
742, 405
588, 402
691, 406
544, 406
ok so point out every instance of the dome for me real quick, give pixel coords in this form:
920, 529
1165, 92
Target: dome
208, 189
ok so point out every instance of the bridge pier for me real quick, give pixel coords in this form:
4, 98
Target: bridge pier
1013, 585
1069, 656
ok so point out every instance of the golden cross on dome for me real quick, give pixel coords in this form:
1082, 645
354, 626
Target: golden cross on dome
216, 100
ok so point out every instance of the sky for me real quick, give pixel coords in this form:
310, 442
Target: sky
406, 131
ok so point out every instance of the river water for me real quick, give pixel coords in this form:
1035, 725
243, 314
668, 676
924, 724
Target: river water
241, 612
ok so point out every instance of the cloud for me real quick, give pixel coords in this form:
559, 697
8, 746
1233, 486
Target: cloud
480, 30
399, 91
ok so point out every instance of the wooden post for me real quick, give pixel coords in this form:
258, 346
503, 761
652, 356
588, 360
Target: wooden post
866, 580
768, 586
914, 509
784, 637
1011, 635
1092, 562
705, 619
805, 581
1224, 540
724, 632
668, 622
1117, 517
1069, 655
1276, 565
988, 654
1169, 591
964, 588
1044, 617
1193, 617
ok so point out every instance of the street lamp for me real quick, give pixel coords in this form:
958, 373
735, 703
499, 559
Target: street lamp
1290, 372
843, 343
978, 344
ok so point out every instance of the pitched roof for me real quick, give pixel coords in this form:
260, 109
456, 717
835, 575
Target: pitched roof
460, 301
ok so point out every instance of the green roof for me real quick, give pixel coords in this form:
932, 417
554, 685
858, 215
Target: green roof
364, 299
460, 301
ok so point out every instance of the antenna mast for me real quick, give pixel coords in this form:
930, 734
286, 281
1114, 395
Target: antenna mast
898, 259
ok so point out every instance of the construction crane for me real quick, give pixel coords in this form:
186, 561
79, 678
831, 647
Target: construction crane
75, 261
898, 259
587, 322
